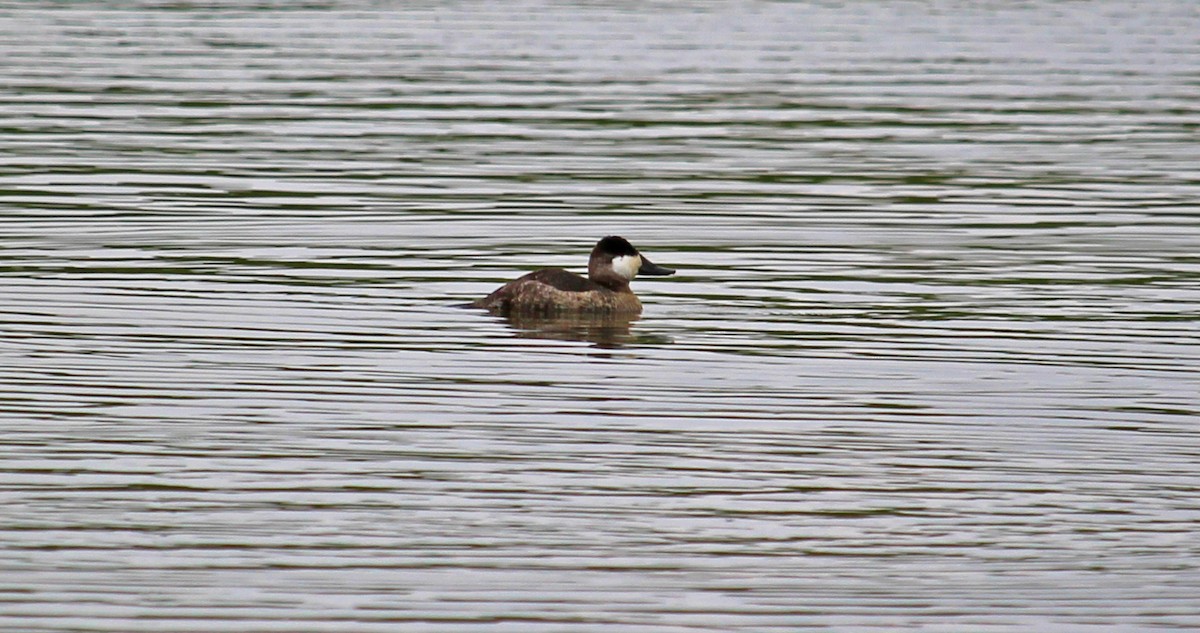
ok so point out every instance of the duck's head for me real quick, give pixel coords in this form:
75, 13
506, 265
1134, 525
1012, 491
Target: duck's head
615, 262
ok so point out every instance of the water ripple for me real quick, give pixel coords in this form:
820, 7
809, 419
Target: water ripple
928, 362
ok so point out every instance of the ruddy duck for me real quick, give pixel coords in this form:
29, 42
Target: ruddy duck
613, 264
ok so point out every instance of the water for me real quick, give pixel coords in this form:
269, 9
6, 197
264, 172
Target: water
929, 362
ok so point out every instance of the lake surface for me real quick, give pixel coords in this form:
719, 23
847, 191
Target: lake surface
929, 362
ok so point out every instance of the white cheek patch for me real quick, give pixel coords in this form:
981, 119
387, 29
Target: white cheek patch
627, 265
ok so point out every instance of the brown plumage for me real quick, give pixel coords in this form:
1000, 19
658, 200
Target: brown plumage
613, 263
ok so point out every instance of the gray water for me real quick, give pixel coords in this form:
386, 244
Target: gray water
930, 361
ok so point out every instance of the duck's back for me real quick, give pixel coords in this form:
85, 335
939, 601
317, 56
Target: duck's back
557, 291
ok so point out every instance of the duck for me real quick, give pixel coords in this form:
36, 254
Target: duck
614, 263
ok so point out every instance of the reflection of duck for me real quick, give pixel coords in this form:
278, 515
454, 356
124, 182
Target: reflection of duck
602, 330
554, 291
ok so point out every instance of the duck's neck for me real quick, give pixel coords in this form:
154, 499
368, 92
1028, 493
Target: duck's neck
612, 281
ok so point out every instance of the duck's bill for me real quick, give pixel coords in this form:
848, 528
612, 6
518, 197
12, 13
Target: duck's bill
650, 268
